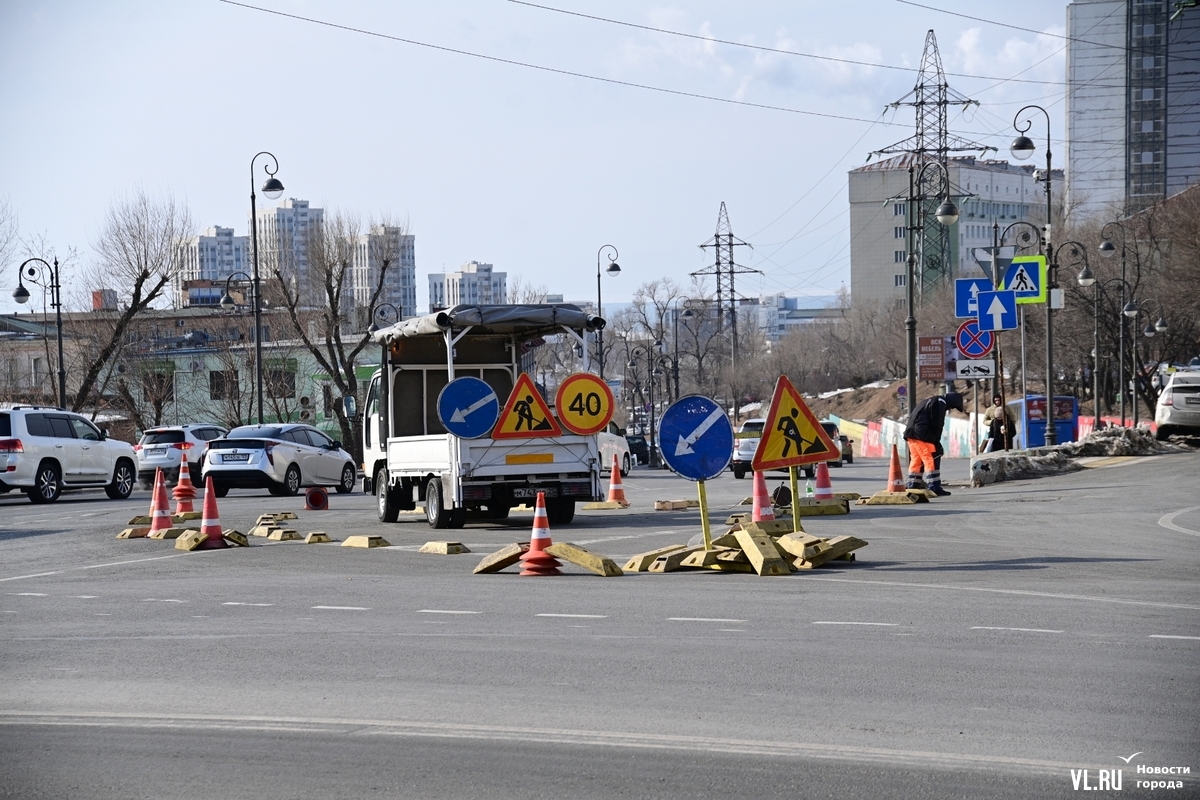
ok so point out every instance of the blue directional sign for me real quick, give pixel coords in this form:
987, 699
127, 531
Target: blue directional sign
468, 407
966, 296
1026, 276
973, 342
696, 438
998, 311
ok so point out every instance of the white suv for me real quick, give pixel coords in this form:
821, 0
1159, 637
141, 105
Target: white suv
1178, 409
166, 446
45, 450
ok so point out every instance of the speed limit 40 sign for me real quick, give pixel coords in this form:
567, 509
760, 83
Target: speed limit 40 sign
584, 403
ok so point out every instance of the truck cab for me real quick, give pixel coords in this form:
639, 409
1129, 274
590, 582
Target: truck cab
409, 456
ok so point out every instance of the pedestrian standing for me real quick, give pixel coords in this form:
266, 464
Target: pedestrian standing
924, 435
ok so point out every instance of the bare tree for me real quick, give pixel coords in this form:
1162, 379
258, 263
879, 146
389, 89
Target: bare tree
136, 251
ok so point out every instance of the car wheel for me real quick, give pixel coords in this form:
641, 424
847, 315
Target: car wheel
837, 463
124, 476
47, 483
388, 508
739, 473
1163, 433
850, 458
436, 512
346, 484
810, 472
625, 466
291, 482
219, 490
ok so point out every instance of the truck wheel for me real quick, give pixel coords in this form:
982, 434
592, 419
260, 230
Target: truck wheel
389, 509
560, 511
458, 518
435, 509
498, 511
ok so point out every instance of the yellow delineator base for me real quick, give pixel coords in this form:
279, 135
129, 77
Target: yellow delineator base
795, 545
812, 507
722, 559
761, 551
187, 516
190, 540
284, 535
642, 561
906, 498
236, 537
134, 533
444, 548
836, 548
503, 558
170, 533
669, 562
850, 496
282, 515
141, 519
605, 505
672, 505
601, 565
365, 541
317, 537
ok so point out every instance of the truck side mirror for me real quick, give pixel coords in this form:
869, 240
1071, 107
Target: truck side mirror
350, 406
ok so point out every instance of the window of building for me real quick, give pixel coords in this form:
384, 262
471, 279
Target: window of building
1148, 126
1147, 158
223, 384
898, 280
899, 256
898, 209
898, 232
280, 378
1148, 62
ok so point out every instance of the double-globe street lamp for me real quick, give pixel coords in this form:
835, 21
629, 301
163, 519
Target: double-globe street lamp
1088, 278
227, 303
381, 314
1132, 310
1027, 234
947, 214
1022, 148
654, 370
613, 269
1108, 249
37, 275
272, 188
687, 314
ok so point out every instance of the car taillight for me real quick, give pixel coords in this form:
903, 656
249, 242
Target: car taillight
11, 446
182, 445
270, 456
137, 448
1168, 400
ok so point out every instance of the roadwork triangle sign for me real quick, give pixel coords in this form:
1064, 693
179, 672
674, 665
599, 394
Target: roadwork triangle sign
792, 436
525, 415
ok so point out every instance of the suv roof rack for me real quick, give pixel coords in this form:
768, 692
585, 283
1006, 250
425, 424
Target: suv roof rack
38, 408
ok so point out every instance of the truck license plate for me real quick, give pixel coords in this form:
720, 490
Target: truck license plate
529, 492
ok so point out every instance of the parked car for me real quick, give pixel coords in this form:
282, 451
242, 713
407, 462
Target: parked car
45, 451
1178, 409
611, 441
744, 445
845, 443
282, 458
638, 448
165, 448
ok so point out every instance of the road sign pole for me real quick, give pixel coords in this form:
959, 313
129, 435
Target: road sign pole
795, 496
704, 525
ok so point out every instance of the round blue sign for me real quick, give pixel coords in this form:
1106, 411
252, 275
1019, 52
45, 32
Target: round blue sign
696, 438
468, 407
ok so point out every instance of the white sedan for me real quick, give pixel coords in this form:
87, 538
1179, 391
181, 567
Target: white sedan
281, 458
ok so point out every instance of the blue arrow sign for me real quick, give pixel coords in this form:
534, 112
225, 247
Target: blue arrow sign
696, 438
1026, 276
468, 407
973, 342
998, 311
966, 296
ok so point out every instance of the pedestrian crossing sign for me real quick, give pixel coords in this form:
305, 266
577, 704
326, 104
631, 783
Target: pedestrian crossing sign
1026, 277
525, 415
792, 436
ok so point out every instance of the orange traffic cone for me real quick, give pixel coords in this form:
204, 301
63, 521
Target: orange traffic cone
537, 561
616, 490
895, 476
824, 487
210, 524
160, 507
184, 491
762, 500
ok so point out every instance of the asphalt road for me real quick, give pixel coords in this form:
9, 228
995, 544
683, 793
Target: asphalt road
984, 645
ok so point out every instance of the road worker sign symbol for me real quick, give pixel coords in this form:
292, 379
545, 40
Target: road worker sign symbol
792, 435
584, 404
525, 415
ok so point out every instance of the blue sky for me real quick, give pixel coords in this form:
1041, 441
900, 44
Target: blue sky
530, 170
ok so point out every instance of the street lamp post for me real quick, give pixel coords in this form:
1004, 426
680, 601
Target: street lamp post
613, 269
1108, 250
687, 313
1132, 310
381, 313
229, 304
1022, 148
947, 214
653, 370
1028, 233
1088, 278
271, 189
36, 275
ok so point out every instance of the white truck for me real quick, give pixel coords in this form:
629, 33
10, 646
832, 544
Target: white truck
408, 455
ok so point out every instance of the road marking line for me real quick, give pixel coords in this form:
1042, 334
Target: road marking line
883, 624
103, 614
94, 566
442, 611
1168, 521
162, 600
732, 630
343, 608
1023, 592
702, 619
576, 616
1023, 630
35, 575
1165, 636
86, 596
28, 594
256, 605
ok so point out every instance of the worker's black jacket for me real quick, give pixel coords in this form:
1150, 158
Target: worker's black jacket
926, 421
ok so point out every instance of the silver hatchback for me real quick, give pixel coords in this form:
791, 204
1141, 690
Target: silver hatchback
282, 458
1178, 409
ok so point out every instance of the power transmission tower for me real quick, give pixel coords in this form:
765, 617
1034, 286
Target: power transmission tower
931, 99
725, 270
